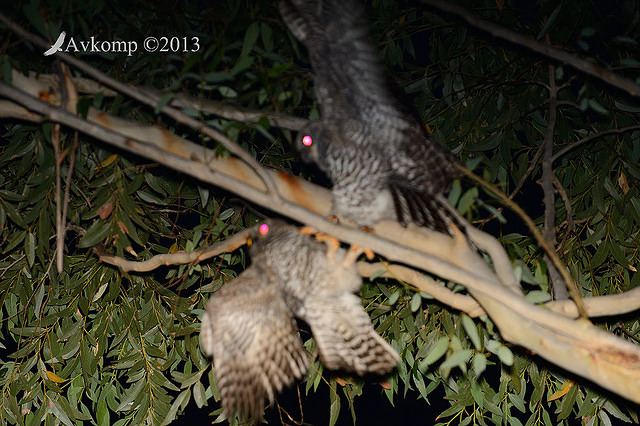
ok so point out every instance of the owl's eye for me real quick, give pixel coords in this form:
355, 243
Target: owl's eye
264, 229
307, 140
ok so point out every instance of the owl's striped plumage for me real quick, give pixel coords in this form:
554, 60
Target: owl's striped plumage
381, 161
250, 330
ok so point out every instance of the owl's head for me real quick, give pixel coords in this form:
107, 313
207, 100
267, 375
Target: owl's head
266, 232
311, 142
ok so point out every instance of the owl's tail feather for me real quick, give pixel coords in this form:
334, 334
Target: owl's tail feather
426, 210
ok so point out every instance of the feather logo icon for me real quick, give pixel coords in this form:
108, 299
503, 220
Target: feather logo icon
57, 46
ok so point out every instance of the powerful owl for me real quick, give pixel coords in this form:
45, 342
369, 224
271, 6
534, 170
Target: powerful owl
379, 158
249, 325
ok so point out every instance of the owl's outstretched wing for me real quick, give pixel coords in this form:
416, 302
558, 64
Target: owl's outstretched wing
350, 82
254, 341
345, 337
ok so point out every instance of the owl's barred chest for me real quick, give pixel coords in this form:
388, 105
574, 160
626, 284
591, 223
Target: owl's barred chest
314, 276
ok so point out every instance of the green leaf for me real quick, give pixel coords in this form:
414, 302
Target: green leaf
550, 22
173, 411
458, 359
595, 105
130, 396
517, 402
56, 410
505, 355
479, 364
12, 213
471, 330
30, 248
467, 200
96, 233
38, 300
163, 101
477, 393
199, 394
439, 349
334, 398
605, 419
394, 297
416, 302
537, 297
613, 409
566, 406
250, 37
103, 417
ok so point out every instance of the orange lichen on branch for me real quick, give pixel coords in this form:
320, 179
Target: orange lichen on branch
299, 194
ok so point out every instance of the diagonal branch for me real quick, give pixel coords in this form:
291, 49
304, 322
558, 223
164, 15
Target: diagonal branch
530, 43
589, 138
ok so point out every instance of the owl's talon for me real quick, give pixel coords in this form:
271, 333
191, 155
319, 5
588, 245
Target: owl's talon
308, 230
368, 230
355, 251
332, 243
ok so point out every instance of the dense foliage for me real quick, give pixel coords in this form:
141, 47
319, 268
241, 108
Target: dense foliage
90, 345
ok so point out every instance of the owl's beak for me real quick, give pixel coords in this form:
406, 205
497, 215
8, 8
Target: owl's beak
307, 154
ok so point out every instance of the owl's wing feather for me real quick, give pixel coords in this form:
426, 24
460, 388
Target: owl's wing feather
415, 206
345, 338
350, 82
254, 341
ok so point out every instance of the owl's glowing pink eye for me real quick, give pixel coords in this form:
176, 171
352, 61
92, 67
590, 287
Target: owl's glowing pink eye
307, 140
264, 229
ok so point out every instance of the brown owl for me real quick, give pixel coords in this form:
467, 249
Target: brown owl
249, 325
381, 161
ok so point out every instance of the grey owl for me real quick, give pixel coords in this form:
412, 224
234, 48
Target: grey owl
250, 330
379, 158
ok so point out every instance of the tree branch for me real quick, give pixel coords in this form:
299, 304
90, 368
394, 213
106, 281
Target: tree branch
191, 257
589, 138
528, 42
560, 289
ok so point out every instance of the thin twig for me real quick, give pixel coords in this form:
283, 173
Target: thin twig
537, 235
60, 225
192, 257
559, 288
532, 165
530, 43
589, 138
571, 226
236, 113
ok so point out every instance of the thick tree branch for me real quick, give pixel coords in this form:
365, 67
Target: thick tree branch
528, 42
609, 305
540, 239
